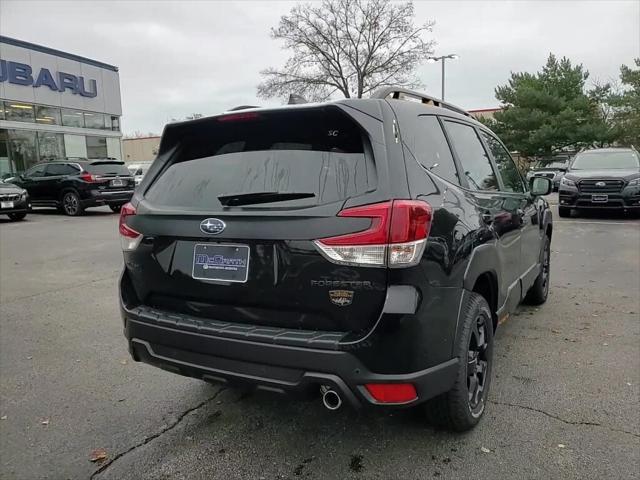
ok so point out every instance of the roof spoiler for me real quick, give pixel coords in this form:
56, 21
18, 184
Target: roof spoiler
399, 93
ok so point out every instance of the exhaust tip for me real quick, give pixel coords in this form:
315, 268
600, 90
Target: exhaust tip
330, 398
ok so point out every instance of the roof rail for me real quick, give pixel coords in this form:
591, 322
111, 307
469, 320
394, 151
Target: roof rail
399, 92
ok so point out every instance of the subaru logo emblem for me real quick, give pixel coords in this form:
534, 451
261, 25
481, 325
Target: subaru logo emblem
212, 226
601, 184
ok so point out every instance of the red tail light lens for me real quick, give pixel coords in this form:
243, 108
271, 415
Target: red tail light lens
129, 238
392, 392
238, 117
396, 237
87, 177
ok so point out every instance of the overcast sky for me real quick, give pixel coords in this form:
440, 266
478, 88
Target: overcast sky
176, 58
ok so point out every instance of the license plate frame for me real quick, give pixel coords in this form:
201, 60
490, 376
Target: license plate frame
221, 262
599, 198
7, 204
117, 182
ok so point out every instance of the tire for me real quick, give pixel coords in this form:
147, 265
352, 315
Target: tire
115, 208
564, 212
461, 408
71, 204
16, 217
539, 291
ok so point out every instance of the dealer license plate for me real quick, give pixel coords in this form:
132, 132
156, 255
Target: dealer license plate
214, 261
599, 198
117, 183
6, 204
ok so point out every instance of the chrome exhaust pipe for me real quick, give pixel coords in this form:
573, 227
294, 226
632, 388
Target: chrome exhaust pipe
330, 398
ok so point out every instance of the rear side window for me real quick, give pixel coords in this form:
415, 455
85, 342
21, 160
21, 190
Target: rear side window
432, 149
475, 161
55, 169
320, 151
508, 171
107, 168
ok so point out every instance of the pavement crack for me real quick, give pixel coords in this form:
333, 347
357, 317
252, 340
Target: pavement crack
162, 431
560, 419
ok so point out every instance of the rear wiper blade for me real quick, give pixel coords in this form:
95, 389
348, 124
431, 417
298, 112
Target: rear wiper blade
234, 199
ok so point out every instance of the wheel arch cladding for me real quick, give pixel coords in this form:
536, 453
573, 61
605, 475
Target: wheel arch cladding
486, 285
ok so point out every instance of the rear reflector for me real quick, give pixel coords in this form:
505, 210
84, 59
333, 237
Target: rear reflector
396, 236
129, 238
392, 392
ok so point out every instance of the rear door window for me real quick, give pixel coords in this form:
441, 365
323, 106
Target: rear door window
477, 167
108, 168
432, 149
511, 178
319, 151
56, 169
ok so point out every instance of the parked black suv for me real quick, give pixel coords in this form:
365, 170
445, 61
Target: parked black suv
603, 178
74, 185
366, 249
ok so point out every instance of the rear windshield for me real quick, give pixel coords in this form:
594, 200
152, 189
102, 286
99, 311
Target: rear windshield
107, 168
320, 151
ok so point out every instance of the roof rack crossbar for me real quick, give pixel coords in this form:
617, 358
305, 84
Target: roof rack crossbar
398, 93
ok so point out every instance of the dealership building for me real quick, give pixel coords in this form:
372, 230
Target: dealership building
55, 105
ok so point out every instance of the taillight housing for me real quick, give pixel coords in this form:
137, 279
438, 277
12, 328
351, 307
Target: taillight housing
129, 238
396, 237
87, 177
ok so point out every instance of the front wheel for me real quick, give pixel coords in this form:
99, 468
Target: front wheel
17, 216
461, 408
539, 291
71, 204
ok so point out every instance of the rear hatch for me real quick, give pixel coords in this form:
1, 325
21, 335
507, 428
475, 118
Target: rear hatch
110, 175
229, 222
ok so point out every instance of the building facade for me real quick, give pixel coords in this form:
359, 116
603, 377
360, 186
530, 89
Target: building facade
141, 149
55, 105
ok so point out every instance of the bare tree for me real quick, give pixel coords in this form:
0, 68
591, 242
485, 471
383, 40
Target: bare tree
347, 46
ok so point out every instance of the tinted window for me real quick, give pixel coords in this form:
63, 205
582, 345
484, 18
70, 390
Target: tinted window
432, 149
507, 169
96, 147
61, 169
19, 112
108, 168
93, 120
50, 146
72, 118
37, 171
475, 162
48, 115
319, 151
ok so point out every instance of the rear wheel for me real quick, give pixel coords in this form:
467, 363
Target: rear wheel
539, 291
115, 208
71, 204
461, 408
564, 212
17, 216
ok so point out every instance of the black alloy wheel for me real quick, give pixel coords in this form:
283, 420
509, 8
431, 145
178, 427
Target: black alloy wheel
477, 365
71, 204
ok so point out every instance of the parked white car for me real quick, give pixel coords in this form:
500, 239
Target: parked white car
138, 170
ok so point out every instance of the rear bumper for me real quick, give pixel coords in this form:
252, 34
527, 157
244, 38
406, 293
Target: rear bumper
105, 197
280, 368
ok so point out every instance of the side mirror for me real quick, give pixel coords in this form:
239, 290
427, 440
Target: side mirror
540, 186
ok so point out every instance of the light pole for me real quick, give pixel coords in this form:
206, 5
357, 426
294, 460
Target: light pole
442, 58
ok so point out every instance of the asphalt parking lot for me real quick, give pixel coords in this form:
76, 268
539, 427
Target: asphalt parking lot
564, 402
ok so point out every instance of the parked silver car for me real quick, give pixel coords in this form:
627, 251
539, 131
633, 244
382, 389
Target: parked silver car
138, 170
551, 169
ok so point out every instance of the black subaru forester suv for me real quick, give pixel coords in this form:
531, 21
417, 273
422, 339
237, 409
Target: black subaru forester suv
363, 249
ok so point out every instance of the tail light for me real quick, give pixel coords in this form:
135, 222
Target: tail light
396, 237
129, 238
392, 392
87, 177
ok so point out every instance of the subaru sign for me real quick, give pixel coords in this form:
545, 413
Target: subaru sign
22, 74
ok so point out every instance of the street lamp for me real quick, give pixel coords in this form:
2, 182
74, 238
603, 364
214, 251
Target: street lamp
452, 56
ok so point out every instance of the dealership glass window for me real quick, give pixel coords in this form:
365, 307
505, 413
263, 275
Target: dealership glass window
5, 168
48, 115
1, 111
96, 147
72, 118
19, 112
23, 149
93, 120
50, 146
112, 122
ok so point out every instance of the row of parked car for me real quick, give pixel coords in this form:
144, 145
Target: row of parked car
71, 186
